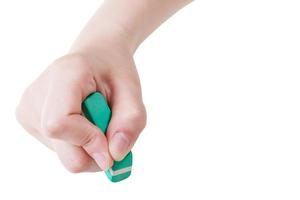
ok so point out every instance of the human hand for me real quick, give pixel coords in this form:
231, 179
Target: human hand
101, 59
50, 108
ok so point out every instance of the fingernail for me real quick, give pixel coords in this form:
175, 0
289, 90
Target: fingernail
120, 143
102, 160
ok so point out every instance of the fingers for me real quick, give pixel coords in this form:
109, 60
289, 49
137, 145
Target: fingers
77, 130
80, 145
74, 158
128, 119
62, 119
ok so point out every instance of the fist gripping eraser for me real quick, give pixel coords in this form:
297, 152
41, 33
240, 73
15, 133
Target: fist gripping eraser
96, 110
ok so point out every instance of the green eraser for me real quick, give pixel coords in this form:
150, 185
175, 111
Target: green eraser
96, 110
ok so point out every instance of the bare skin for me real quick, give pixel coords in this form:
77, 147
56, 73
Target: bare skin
101, 59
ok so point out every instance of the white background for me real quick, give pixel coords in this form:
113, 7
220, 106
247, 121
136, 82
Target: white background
221, 83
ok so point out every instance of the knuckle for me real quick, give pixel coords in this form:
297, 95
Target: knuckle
138, 115
78, 164
22, 119
77, 66
18, 114
21, 111
83, 76
53, 128
89, 141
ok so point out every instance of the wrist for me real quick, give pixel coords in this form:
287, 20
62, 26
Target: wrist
108, 36
106, 45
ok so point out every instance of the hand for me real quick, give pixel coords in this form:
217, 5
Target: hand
50, 108
101, 59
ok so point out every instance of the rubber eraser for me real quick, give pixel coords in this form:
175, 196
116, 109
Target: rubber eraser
97, 111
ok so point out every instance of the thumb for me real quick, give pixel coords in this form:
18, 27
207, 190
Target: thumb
128, 119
